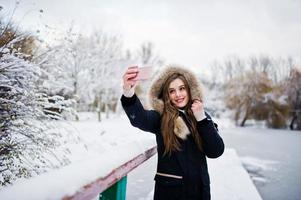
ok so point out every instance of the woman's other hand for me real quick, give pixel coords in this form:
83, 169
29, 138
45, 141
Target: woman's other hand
197, 108
128, 83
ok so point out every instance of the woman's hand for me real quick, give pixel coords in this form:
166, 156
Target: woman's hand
197, 108
128, 83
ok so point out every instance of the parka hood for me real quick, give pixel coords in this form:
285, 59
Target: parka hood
180, 128
156, 87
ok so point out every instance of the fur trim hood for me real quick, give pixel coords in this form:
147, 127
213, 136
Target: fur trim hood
156, 87
156, 102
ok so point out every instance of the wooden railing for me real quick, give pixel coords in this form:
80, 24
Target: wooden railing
113, 185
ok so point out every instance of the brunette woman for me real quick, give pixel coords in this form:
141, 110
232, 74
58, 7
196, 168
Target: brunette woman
185, 133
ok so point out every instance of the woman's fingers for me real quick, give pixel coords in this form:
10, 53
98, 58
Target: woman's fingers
130, 73
132, 70
197, 105
128, 77
197, 108
197, 100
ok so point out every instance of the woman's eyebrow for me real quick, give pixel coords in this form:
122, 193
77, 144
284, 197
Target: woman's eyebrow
178, 87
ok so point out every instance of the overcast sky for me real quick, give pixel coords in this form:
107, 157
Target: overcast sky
191, 32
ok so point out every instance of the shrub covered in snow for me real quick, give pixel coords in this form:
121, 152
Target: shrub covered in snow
27, 138
23, 137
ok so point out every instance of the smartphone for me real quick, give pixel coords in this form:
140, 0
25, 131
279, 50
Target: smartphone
144, 73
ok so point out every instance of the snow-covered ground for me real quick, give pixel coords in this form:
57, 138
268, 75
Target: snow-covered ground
110, 143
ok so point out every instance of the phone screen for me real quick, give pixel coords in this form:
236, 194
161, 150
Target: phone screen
143, 73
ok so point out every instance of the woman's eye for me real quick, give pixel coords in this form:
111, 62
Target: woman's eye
182, 88
171, 91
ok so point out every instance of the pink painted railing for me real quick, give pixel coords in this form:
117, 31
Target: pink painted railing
116, 176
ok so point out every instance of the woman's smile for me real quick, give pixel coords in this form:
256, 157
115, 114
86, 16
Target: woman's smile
180, 100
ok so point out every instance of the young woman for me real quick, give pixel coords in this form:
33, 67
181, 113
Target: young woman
185, 134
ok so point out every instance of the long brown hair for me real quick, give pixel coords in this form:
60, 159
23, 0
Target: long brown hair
171, 113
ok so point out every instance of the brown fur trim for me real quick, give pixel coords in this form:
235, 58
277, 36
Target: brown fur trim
155, 89
180, 129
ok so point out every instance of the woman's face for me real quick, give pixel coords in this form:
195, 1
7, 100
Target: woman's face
178, 94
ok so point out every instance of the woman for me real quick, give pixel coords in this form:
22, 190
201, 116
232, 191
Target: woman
185, 134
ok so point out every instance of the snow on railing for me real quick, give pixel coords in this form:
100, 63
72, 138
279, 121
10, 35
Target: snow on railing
84, 181
112, 186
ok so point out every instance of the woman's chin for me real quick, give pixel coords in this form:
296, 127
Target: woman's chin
181, 106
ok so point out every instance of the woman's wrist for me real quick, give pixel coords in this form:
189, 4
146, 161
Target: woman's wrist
128, 91
200, 116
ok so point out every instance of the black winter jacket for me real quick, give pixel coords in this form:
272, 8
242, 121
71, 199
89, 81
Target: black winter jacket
189, 163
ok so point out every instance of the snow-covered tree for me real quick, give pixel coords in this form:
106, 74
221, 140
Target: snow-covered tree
14, 41
274, 109
293, 90
27, 139
107, 50
65, 65
238, 76
277, 69
254, 96
146, 55
245, 91
23, 137
86, 69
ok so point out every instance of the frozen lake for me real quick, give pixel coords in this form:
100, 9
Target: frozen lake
276, 158
270, 156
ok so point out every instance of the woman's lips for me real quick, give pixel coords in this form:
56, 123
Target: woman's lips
180, 100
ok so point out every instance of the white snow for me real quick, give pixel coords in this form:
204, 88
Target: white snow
229, 180
110, 144
255, 164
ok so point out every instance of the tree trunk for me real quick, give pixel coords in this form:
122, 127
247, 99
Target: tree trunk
99, 110
293, 122
107, 111
245, 118
244, 121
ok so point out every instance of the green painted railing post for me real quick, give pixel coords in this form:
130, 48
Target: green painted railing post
116, 191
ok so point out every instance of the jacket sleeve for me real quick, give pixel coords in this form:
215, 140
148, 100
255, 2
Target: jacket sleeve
213, 144
146, 120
